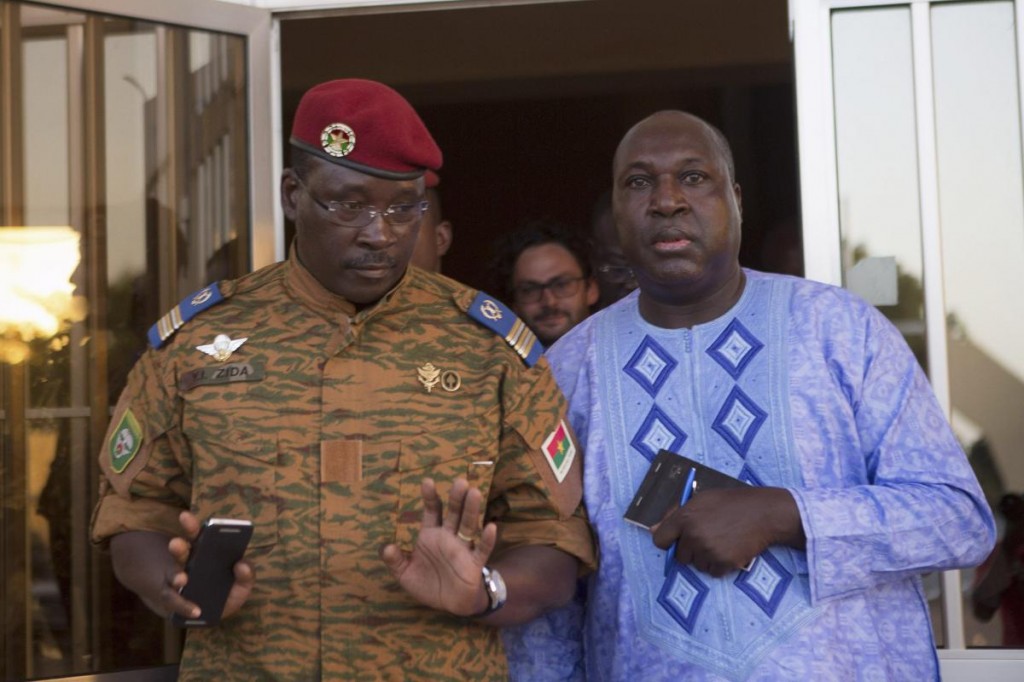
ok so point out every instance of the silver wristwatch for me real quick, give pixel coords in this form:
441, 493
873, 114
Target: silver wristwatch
497, 593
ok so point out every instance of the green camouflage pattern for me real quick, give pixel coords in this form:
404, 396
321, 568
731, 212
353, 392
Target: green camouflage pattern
325, 452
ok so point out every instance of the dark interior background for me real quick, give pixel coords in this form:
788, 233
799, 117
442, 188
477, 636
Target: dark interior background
529, 101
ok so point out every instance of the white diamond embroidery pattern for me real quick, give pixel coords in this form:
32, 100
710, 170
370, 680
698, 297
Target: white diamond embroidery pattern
739, 420
650, 366
658, 436
657, 432
683, 596
765, 583
764, 579
735, 348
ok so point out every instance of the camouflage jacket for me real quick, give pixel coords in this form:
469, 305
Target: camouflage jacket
319, 427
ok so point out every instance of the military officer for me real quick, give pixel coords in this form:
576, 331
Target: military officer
395, 437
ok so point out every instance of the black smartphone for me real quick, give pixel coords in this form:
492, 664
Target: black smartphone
211, 569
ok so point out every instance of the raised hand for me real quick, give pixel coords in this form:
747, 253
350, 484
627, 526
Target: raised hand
443, 569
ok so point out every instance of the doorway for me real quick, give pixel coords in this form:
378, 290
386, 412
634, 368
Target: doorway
528, 102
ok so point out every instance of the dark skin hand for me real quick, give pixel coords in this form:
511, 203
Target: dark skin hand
722, 530
443, 570
152, 566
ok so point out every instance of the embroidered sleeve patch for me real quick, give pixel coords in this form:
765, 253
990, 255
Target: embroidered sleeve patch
124, 442
559, 451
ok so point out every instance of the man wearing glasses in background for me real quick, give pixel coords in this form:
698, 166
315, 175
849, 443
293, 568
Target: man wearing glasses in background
543, 270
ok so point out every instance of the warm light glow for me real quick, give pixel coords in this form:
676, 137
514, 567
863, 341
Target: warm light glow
36, 264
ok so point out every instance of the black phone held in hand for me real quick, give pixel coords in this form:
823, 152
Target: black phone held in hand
211, 569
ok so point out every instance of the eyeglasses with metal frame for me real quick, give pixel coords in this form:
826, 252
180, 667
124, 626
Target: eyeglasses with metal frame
356, 214
619, 274
560, 287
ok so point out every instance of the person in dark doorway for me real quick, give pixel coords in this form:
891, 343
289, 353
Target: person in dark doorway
999, 582
850, 481
614, 275
335, 400
435, 237
543, 268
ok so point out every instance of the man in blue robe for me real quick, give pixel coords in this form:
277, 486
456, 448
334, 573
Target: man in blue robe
857, 485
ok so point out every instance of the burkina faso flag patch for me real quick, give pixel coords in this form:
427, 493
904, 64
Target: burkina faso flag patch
559, 450
124, 442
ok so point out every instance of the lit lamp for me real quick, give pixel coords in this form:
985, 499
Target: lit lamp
36, 264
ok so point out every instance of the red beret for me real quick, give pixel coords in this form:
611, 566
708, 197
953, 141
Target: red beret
365, 126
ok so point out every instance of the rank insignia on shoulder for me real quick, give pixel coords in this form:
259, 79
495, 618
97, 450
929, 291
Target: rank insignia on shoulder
194, 304
496, 316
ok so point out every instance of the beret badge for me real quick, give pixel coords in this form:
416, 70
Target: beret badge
338, 139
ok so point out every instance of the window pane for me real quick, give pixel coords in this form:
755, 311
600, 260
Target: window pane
876, 152
982, 217
163, 199
45, 79
135, 169
48, 142
134, 181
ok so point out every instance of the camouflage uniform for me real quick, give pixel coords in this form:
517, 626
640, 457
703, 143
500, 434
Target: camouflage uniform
319, 428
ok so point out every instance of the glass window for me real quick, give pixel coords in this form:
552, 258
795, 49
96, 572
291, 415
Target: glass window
876, 152
981, 203
158, 198
879, 200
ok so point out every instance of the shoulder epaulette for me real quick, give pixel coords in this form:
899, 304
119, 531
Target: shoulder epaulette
496, 316
192, 305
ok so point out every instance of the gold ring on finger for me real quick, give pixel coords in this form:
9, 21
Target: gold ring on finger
464, 538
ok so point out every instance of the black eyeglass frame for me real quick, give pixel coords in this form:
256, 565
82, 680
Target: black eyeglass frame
560, 287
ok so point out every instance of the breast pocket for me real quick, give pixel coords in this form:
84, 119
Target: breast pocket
426, 456
236, 458
238, 483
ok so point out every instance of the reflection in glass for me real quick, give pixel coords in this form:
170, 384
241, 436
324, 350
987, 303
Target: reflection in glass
137, 167
47, 201
876, 155
982, 217
133, 189
166, 195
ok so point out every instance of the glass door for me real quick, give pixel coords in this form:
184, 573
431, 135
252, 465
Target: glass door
128, 130
912, 174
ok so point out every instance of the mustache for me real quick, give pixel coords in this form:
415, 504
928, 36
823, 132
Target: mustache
373, 258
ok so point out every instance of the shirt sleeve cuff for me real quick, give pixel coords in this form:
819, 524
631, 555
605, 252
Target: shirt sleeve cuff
115, 514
